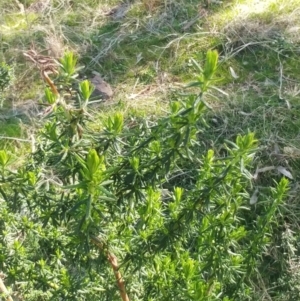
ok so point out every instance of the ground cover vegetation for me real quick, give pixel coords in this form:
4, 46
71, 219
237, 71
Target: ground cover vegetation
183, 184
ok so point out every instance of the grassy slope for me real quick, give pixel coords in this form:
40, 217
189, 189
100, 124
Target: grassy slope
145, 55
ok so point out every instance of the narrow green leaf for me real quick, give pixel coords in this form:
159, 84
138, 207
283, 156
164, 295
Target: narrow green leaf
86, 89
92, 161
3, 158
210, 64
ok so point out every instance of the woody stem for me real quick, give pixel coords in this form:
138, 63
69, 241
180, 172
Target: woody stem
112, 259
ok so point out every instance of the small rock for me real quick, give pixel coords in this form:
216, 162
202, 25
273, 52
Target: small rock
102, 88
39, 6
118, 12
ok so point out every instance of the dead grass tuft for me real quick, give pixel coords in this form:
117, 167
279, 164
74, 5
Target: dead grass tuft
255, 21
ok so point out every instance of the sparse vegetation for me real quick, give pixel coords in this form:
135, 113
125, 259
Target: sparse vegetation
150, 177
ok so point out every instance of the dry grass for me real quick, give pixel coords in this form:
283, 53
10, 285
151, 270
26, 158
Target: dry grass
143, 48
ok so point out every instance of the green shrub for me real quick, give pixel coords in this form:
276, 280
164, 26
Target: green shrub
133, 201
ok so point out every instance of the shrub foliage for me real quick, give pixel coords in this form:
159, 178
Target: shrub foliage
117, 210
